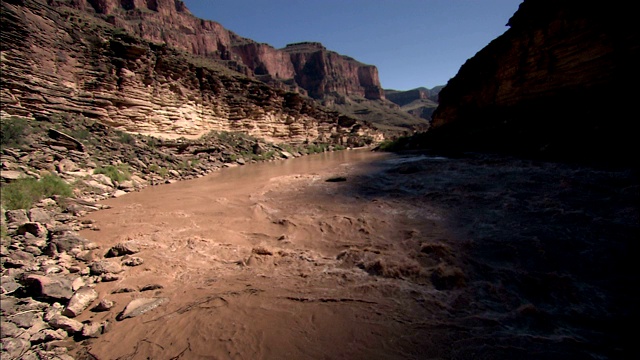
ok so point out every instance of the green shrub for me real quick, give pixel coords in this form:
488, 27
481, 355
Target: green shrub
388, 145
52, 185
316, 148
116, 173
162, 171
152, 142
126, 138
12, 131
23, 193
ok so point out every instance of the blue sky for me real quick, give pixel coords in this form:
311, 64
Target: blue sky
412, 42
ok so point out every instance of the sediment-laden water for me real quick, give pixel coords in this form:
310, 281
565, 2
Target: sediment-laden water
396, 257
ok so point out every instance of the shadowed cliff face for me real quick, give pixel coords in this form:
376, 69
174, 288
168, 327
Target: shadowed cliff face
561, 81
60, 60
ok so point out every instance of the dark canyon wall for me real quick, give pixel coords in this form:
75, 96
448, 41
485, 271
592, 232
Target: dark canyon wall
561, 81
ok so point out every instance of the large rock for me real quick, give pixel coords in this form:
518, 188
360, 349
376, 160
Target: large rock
13, 348
18, 217
40, 215
47, 335
80, 301
105, 267
66, 240
69, 325
33, 228
121, 249
12, 175
49, 287
92, 329
9, 329
140, 306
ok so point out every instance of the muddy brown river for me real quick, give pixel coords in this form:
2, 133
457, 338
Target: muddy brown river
395, 257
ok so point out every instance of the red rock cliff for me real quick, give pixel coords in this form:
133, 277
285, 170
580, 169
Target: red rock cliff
323, 72
310, 67
561, 80
65, 61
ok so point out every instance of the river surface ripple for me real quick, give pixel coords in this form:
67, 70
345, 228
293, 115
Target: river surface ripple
397, 257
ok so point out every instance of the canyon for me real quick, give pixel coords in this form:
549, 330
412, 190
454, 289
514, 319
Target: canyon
58, 60
421, 101
259, 252
336, 81
559, 83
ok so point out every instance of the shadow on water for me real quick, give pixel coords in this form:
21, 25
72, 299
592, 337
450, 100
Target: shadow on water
546, 249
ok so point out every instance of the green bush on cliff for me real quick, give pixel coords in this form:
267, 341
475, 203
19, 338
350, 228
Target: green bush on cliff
3, 231
13, 131
389, 145
116, 173
23, 193
126, 138
317, 148
162, 171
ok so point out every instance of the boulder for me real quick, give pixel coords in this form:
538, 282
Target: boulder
92, 329
18, 217
47, 335
50, 287
104, 305
12, 175
104, 267
69, 325
80, 301
9, 329
132, 261
40, 215
120, 249
140, 306
34, 228
66, 165
13, 348
67, 240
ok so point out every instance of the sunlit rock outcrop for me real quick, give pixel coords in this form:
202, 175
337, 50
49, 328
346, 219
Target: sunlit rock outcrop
55, 59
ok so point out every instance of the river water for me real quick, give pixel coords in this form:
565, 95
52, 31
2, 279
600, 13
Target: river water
399, 257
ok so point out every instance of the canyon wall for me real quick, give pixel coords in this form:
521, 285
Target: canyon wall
420, 102
312, 69
561, 81
56, 59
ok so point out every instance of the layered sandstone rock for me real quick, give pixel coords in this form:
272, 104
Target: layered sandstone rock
314, 66
60, 60
562, 80
308, 68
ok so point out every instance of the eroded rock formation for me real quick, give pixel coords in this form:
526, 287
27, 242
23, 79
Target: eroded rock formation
56, 59
420, 102
307, 68
561, 81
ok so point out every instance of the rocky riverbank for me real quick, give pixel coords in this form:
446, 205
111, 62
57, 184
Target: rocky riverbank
48, 269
